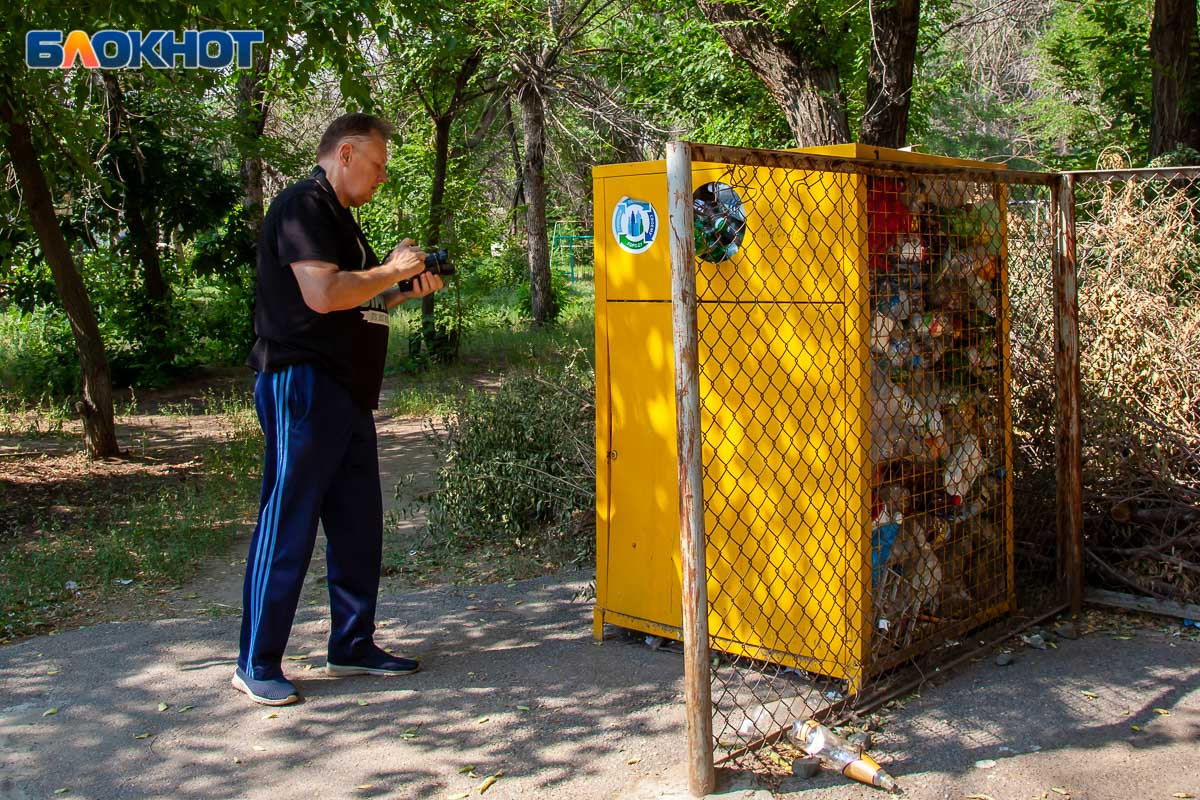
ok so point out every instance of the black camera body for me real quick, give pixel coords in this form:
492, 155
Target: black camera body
436, 263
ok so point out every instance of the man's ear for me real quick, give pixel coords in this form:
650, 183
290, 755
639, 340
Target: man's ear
344, 153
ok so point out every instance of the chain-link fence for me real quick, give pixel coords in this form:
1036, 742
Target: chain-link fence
867, 417
875, 419
1138, 245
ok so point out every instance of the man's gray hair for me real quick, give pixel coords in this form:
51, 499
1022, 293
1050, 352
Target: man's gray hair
355, 126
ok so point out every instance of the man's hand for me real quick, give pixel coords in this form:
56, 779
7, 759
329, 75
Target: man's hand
423, 284
406, 259
426, 283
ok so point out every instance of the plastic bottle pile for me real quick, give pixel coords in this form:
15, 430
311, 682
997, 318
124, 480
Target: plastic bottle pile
936, 434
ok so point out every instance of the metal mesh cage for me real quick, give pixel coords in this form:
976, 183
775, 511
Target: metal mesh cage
854, 362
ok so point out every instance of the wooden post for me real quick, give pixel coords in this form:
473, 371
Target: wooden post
697, 677
1066, 373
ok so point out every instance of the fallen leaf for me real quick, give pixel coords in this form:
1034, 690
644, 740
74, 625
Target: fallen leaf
467, 768
633, 761
411, 733
260, 748
63, 790
460, 796
364, 786
1135, 727
185, 709
1057, 790
1183, 795
1089, 695
163, 706
272, 715
362, 702
52, 671
979, 797
522, 708
489, 780
1162, 712
50, 712
237, 760
519, 603
481, 720
986, 763
141, 736
296, 658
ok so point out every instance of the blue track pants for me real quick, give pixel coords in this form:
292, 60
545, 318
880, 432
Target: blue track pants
320, 464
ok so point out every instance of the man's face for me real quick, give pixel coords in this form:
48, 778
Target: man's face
367, 169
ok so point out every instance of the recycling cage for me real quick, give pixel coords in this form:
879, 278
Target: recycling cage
855, 420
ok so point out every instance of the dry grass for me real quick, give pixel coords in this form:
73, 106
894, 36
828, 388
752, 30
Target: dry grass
1138, 243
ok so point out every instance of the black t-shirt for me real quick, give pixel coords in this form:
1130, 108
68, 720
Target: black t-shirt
307, 222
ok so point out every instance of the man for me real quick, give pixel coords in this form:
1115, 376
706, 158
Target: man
322, 327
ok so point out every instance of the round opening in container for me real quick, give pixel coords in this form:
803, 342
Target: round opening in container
720, 222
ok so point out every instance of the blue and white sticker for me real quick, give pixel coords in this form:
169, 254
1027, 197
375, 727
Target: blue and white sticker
634, 224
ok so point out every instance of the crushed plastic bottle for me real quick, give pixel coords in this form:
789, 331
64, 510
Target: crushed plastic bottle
882, 329
900, 425
883, 535
932, 323
984, 296
895, 302
817, 740
963, 467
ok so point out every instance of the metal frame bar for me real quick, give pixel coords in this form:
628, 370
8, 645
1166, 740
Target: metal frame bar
786, 159
697, 671
1143, 173
679, 163
1069, 466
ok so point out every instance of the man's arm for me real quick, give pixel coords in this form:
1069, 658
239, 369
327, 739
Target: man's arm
326, 288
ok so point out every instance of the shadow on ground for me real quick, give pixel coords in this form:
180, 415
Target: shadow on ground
513, 683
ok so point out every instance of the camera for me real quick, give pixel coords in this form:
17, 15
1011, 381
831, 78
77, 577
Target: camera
436, 263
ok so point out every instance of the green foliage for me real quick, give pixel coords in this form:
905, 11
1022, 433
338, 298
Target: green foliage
1094, 89
519, 462
37, 357
710, 96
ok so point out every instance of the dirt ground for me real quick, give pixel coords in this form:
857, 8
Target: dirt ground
137, 704
46, 475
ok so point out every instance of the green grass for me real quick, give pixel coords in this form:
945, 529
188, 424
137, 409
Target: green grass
496, 342
153, 534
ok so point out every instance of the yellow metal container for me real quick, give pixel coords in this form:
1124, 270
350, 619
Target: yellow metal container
789, 543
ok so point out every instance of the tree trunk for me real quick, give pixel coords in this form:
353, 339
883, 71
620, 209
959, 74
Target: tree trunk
890, 72
140, 216
518, 192
810, 96
1175, 116
437, 203
533, 121
253, 108
437, 193
97, 407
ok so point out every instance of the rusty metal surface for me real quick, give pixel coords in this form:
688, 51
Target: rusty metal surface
804, 161
701, 777
1066, 367
1144, 174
